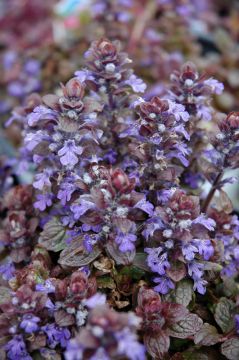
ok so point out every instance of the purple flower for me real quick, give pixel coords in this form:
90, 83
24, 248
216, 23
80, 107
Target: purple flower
236, 318
216, 87
42, 180
16, 349
129, 346
80, 209
89, 241
29, 323
64, 194
95, 300
40, 112
178, 110
46, 288
164, 284
125, 241
68, 153
146, 206
189, 251
157, 260
7, 270
206, 222
136, 83
32, 67
56, 335
73, 351
43, 201
204, 247
83, 75
100, 354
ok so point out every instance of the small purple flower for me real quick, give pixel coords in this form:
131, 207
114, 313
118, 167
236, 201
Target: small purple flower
83, 75
126, 241
42, 180
29, 323
236, 318
216, 87
206, 222
46, 288
136, 83
95, 300
16, 349
40, 112
56, 335
129, 346
178, 110
189, 251
64, 194
7, 270
146, 206
204, 247
43, 201
68, 153
80, 209
157, 260
164, 284
73, 351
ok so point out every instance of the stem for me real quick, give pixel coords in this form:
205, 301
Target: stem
140, 24
211, 192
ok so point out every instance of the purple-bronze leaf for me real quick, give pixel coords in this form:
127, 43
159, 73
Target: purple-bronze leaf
207, 335
230, 348
224, 314
186, 327
157, 344
53, 236
75, 255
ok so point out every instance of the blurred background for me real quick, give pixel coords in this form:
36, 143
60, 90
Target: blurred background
42, 44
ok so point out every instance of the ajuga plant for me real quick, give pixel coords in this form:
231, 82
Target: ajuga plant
114, 251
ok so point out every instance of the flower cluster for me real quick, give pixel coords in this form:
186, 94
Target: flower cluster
179, 233
194, 91
107, 335
114, 250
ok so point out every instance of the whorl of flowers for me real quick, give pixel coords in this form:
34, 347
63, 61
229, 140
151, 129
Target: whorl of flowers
194, 91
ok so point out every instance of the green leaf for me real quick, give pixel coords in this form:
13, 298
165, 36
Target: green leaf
186, 327
75, 254
106, 282
133, 272
230, 349
53, 235
207, 335
183, 292
224, 314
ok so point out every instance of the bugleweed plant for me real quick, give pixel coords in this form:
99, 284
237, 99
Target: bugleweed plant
116, 250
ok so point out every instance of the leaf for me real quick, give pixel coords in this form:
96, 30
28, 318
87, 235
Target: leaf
53, 235
133, 272
186, 327
157, 345
75, 254
62, 318
224, 314
230, 349
140, 261
177, 271
119, 257
207, 335
183, 292
106, 282
174, 312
